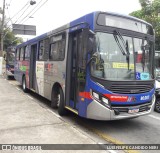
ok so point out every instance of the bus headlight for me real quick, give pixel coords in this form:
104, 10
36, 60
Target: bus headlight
100, 98
95, 95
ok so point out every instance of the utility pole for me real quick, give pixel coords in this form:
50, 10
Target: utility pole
2, 33
2, 28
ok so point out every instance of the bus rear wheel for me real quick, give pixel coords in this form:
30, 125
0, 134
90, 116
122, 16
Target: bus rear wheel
55, 98
24, 84
61, 108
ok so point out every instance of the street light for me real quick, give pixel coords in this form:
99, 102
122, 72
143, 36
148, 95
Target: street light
32, 2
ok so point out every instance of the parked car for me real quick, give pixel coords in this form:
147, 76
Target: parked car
157, 93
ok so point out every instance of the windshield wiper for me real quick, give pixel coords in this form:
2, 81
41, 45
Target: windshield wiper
118, 43
126, 51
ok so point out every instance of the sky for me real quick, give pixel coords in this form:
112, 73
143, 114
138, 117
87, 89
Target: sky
55, 13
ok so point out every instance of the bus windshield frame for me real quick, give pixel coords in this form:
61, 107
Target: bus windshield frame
126, 48
121, 22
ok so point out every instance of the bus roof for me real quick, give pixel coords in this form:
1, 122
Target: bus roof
88, 18
127, 16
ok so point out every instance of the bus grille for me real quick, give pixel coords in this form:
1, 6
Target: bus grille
125, 109
131, 88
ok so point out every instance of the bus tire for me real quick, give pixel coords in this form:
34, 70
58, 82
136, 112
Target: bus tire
61, 109
157, 105
54, 99
24, 84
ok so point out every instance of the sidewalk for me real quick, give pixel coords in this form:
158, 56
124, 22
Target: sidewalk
22, 121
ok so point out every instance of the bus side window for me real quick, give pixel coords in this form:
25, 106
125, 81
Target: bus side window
17, 54
22, 54
57, 48
43, 49
46, 49
53, 51
26, 52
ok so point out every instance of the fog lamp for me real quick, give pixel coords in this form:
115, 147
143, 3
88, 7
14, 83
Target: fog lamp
105, 100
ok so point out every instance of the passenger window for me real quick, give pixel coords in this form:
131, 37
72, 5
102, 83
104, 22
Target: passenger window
57, 48
17, 54
26, 53
43, 49
22, 54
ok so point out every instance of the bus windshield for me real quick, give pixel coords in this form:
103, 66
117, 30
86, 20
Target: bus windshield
10, 58
122, 58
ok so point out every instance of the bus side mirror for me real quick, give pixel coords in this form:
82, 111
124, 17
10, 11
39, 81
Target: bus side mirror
90, 44
96, 56
91, 41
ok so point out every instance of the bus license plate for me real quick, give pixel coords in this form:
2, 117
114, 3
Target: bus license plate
133, 110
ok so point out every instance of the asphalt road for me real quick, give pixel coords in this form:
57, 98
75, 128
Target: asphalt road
141, 130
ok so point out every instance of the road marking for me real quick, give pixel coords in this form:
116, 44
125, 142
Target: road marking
17, 88
10, 83
54, 113
155, 117
109, 139
29, 97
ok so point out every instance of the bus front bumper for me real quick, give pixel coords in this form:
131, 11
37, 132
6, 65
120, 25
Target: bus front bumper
9, 73
97, 111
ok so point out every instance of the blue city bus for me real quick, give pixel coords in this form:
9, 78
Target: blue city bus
10, 57
99, 66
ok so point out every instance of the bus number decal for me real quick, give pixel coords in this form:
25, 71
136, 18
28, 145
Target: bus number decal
145, 97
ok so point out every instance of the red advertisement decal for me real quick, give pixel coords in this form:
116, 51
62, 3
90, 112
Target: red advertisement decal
118, 98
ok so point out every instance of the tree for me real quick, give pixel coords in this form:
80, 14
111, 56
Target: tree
9, 38
150, 12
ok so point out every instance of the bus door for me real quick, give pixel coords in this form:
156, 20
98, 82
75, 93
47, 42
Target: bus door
32, 80
75, 82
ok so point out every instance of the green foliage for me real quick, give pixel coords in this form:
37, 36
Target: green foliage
10, 39
150, 12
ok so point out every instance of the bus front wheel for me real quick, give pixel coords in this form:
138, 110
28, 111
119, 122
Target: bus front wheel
24, 84
157, 105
